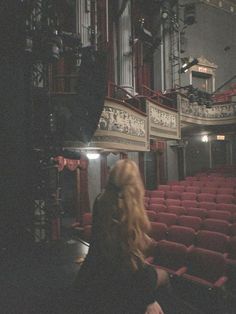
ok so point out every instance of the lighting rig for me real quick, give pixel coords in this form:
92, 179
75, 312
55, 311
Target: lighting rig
198, 96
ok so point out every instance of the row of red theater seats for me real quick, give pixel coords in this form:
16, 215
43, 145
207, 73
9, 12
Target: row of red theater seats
165, 190
187, 236
204, 183
193, 211
196, 223
194, 264
158, 203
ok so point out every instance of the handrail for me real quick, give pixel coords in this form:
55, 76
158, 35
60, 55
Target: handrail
163, 100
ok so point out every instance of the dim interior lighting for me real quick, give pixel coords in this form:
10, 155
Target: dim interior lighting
93, 155
205, 138
220, 137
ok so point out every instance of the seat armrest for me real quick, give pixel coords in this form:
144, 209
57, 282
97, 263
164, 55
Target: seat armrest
220, 282
181, 271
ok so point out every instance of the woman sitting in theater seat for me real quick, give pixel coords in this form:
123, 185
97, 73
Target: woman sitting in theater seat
114, 278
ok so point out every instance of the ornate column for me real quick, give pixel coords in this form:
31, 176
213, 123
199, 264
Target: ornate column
83, 20
125, 49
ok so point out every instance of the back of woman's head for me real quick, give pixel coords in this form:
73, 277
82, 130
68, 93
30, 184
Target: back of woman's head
127, 213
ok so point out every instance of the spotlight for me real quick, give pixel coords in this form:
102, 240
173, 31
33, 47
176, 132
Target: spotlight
187, 65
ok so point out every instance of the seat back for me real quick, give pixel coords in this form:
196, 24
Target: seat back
169, 254
207, 205
219, 214
189, 203
197, 212
178, 210
180, 234
211, 240
224, 198
190, 221
157, 193
229, 207
206, 264
217, 225
173, 195
178, 188
167, 218
188, 196
164, 187
158, 231
206, 197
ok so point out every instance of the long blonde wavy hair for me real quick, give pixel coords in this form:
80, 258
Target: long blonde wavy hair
123, 220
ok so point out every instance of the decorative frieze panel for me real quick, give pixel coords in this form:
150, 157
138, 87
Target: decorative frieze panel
121, 128
163, 123
217, 114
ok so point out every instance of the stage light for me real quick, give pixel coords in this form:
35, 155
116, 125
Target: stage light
187, 65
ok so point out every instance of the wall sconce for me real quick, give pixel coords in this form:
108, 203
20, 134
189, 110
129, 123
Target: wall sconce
93, 156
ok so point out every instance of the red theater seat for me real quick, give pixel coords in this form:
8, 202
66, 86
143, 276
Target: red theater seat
178, 210
206, 268
173, 195
188, 203
211, 240
225, 198
222, 190
170, 256
193, 189
156, 200
180, 234
219, 214
167, 218
164, 187
217, 225
188, 196
157, 194
209, 190
158, 231
161, 208
229, 207
170, 202
207, 205
178, 188
206, 197
197, 212
190, 221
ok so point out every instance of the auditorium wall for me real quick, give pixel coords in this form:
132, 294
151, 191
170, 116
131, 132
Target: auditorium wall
212, 37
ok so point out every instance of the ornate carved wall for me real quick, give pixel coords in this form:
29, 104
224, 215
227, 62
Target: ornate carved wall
121, 128
216, 115
163, 123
